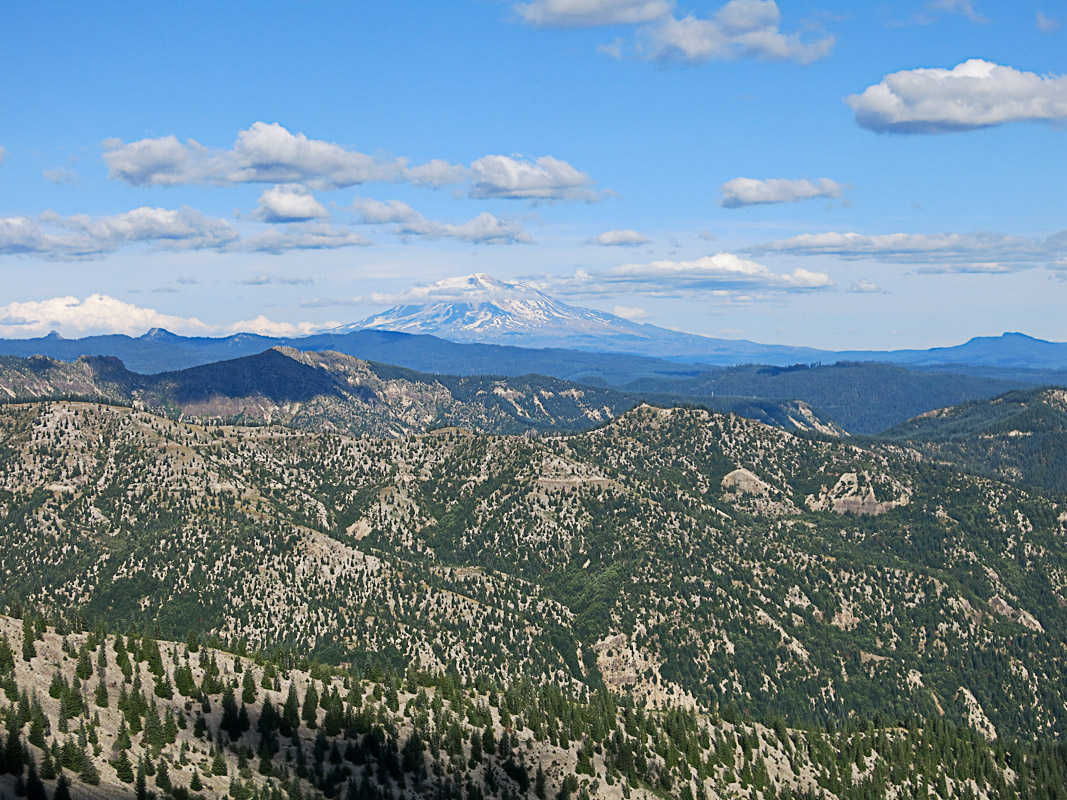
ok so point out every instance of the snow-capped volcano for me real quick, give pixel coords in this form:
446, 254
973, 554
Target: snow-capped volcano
480, 308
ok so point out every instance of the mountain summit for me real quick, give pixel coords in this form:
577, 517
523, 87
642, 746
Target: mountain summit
480, 308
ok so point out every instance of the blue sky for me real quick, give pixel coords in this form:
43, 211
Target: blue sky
829, 174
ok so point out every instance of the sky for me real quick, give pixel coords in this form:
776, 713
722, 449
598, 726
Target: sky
831, 174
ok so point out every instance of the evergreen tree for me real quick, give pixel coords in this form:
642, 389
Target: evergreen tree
291, 712
309, 713
123, 767
62, 789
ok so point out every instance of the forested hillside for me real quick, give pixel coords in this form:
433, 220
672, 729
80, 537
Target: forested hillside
676, 555
1019, 437
333, 392
87, 714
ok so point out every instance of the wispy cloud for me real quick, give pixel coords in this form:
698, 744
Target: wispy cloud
55, 237
482, 229
974, 94
741, 192
589, 13
266, 280
301, 236
962, 7
937, 252
1046, 24
721, 273
864, 287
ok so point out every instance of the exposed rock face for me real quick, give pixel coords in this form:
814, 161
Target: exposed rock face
747, 490
854, 493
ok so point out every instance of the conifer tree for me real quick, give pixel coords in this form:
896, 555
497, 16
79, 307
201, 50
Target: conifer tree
309, 712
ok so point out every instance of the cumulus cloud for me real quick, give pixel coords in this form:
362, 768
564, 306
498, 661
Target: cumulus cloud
263, 153
974, 94
289, 203
738, 29
720, 275
933, 252
269, 153
588, 13
100, 313
621, 238
97, 313
377, 212
1046, 24
56, 237
628, 312
741, 192
70, 238
482, 229
545, 178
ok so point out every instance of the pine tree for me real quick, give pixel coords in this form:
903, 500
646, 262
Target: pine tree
62, 789
218, 763
291, 712
34, 784
248, 695
29, 651
123, 767
100, 695
309, 712
84, 667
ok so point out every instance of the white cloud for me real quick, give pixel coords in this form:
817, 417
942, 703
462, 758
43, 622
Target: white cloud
962, 7
289, 203
622, 238
738, 29
300, 236
269, 153
718, 275
741, 192
938, 252
864, 287
627, 312
57, 237
974, 94
482, 229
546, 178
263, 153
3, 153
99, 313
588, 13
376, 212
436, 173
1046, 24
